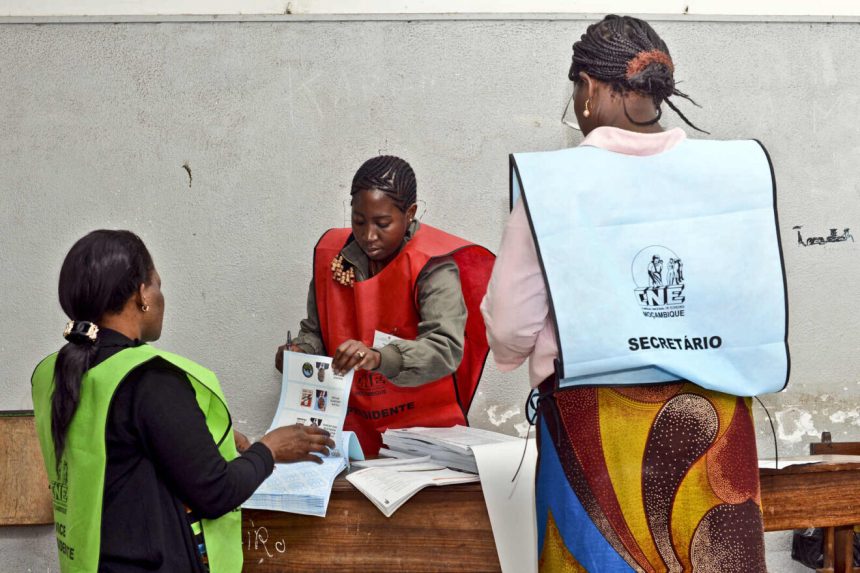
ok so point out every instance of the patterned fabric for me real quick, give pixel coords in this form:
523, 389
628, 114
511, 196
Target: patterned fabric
649, 478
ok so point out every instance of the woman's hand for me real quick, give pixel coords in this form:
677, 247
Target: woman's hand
354, 354
242, 441
297, 443
279, 355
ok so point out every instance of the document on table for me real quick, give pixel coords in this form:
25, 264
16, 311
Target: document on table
390, 487
301, 487
511, 505
392, 462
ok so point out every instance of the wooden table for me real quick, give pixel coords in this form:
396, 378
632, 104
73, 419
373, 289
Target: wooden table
440, 529
448, 529
816, 495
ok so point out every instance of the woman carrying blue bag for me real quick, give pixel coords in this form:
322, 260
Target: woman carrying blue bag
648, 322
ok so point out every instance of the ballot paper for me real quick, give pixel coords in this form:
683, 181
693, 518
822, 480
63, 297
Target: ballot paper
310, 394
389, 487
451, 447
301, 487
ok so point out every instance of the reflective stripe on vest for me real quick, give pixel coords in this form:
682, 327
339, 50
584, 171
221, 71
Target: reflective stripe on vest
387, 303
661, 267
78, 486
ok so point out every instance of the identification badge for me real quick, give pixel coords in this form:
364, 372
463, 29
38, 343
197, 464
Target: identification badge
381, 339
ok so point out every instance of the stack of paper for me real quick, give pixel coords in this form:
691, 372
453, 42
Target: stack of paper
302, 487
390, 486
451, 447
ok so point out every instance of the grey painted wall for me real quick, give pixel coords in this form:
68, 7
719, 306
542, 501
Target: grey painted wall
274, 117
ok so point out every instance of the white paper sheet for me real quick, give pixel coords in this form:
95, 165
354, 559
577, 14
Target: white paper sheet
381, 339
511, 505
390, 462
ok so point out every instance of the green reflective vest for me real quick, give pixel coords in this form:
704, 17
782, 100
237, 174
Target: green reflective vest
77, 484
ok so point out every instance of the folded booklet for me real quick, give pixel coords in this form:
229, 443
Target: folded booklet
310, 394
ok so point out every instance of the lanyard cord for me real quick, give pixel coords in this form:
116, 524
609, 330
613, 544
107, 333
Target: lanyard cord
773, 433
532, 402
536, 404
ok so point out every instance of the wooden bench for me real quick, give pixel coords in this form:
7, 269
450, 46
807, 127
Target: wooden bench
838, 541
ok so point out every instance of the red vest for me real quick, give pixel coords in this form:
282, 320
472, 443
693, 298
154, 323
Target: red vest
387, 302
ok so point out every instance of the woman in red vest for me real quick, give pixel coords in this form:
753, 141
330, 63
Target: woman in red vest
398, 301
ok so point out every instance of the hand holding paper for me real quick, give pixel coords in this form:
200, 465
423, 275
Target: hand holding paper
309, 421
355, 354
298, 443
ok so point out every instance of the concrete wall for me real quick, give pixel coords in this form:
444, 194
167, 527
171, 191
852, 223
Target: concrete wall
273, 117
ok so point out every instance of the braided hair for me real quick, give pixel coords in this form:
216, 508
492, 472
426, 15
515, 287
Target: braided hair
389, 174
627, 53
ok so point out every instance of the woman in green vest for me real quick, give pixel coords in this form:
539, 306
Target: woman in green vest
138, 443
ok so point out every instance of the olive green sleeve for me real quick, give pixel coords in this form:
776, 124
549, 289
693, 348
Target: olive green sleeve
310, 335
438, 349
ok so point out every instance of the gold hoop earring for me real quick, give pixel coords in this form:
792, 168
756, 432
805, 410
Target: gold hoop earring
587, 112
144, 307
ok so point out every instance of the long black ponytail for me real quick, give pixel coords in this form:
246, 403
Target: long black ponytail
100, 273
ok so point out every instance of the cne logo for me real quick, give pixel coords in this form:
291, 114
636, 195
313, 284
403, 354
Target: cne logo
658, 273
371, 384
60, 487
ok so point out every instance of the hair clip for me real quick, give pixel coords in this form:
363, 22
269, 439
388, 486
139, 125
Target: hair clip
643, 59
80, 332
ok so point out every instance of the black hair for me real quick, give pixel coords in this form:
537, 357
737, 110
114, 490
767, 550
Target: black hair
389, 174
99, 274
627, 53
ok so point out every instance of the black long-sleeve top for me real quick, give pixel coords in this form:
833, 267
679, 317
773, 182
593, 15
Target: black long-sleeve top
161, 458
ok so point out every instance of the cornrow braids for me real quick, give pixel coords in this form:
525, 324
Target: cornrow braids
627, 53
389, 174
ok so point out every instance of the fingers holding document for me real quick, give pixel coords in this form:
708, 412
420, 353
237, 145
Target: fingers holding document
355, 354
298, 443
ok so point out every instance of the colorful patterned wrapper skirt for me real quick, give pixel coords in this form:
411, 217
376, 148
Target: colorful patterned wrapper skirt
647, 478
